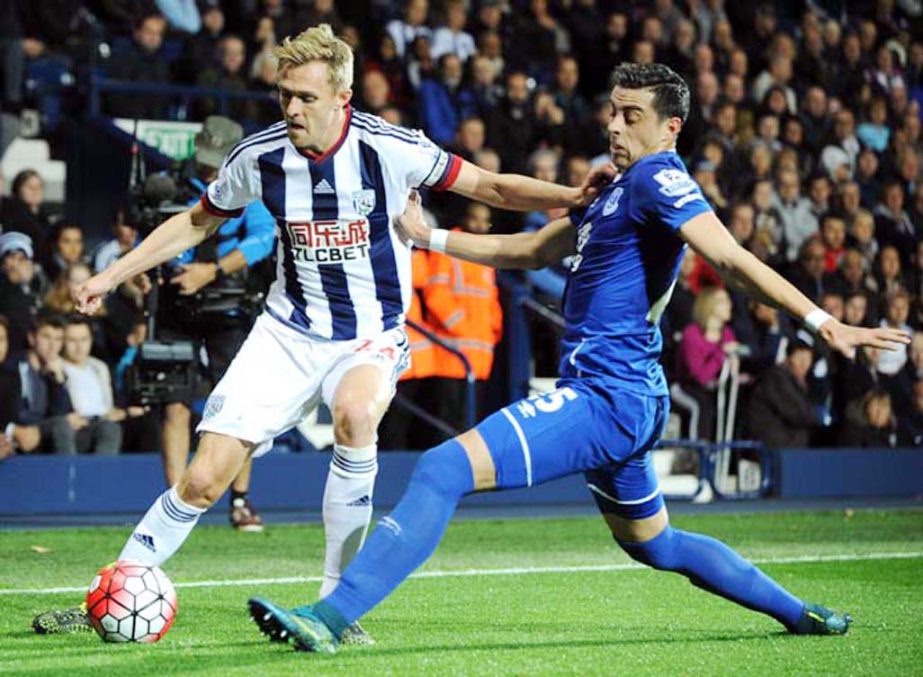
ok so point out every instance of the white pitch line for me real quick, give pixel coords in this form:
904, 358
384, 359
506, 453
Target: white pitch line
512, 571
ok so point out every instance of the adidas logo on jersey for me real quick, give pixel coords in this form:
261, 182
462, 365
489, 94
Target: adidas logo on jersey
323, 188
146, 540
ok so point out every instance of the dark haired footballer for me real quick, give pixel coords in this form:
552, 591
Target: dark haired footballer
611, 403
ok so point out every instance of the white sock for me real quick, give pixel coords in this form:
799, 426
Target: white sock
162, 530
347, 508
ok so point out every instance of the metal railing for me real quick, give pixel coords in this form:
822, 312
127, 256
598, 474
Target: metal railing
184, 93
470, 394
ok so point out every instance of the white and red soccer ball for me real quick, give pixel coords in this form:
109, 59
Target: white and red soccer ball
131, 602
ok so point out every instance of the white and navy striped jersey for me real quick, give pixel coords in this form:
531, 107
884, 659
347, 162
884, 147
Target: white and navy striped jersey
342, 271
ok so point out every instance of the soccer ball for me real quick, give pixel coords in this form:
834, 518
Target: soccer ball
131, 602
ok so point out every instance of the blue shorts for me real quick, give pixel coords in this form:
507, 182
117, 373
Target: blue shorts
582, 426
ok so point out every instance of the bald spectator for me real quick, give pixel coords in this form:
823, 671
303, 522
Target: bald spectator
815, 119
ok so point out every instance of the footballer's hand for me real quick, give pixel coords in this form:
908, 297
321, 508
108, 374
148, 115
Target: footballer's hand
845, 339
598, 178
411, 225
89, 295
194, 277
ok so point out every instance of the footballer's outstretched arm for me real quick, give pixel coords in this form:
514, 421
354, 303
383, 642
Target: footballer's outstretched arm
708, 237
520, 250
172, 237
523, 193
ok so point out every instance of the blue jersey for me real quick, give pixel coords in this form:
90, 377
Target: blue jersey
627, 259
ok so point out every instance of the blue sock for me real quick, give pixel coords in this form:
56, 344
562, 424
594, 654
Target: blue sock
713, 566
404, 539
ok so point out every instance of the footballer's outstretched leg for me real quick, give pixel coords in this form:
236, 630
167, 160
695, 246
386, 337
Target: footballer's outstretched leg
641, 527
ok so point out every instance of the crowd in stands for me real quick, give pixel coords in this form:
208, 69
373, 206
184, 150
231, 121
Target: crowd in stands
804, 133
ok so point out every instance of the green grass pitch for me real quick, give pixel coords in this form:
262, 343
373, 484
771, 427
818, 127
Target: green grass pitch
592, 614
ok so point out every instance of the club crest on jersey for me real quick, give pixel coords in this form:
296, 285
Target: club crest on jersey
613, 202
674, 182
329, 241
364, 201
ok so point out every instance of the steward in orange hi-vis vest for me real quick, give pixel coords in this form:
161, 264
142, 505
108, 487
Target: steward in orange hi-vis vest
463, 304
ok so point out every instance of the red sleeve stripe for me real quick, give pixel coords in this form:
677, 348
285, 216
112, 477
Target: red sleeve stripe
449, 174
210, 207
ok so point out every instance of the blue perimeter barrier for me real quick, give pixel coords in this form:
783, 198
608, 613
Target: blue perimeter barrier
47, 485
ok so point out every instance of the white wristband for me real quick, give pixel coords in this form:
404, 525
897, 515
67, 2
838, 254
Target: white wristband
438, 239
816, 318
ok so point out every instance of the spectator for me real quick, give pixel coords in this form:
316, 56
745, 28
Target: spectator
910, 425
869, 422
230, 75
798, 221
867, 178
420, 63
833, 237
24, 211
853, 276
20, 287
44, 405
777, 75
844, 150
125, 236
819, 195
376, 92
67, 249
144, 63
387, 61
874, 133
779, 412
200, 51
463, 303
849, 201
89, 386
862, 235
764, 335
484, 84
445, 102
452, 37
767, 219
413, 25
566, 95
855, 309
512, 127
808, 275
890, 275
897, 311
705, 346
892, 222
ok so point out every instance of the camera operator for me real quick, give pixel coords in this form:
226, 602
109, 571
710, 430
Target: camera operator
188, 310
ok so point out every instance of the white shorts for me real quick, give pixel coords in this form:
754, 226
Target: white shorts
279, 376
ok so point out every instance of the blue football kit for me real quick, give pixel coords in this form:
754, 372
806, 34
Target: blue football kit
607, 412
612, 400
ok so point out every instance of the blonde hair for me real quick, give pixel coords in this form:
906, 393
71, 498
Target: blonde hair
318, 43
704, 305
